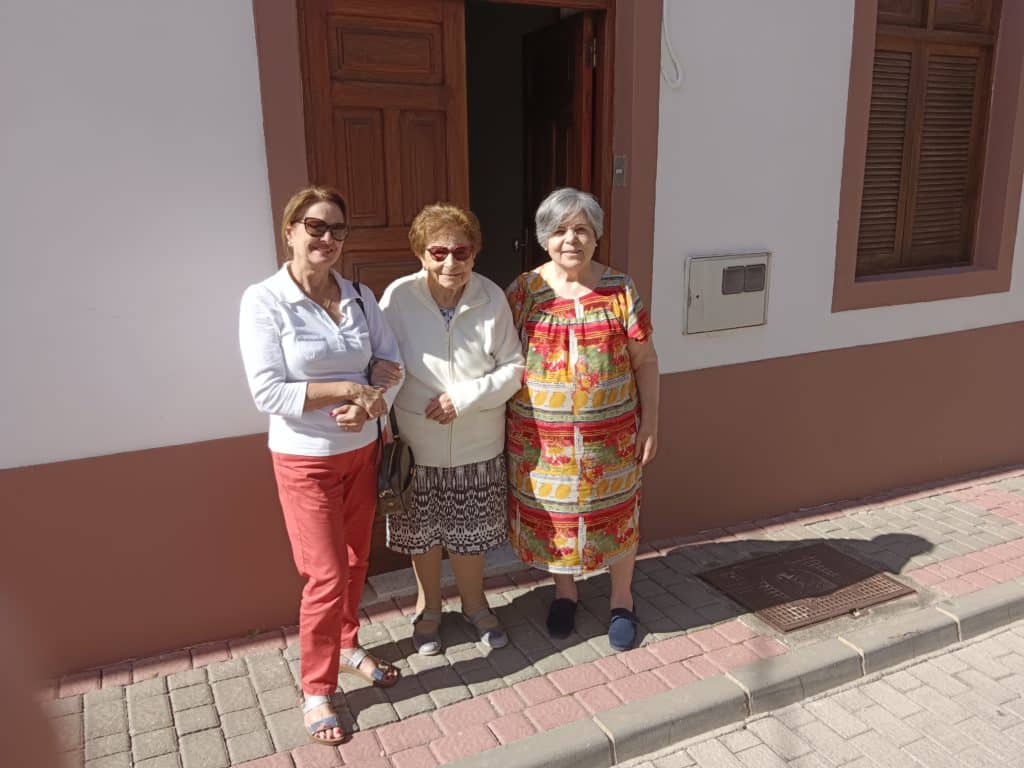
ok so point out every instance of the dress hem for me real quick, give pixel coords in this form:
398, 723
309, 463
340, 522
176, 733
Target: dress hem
579, 570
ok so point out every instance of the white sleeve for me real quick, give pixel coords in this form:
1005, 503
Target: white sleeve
494, 389
260, 340
382, 341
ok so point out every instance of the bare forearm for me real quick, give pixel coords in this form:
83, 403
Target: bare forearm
648, 383
320, 394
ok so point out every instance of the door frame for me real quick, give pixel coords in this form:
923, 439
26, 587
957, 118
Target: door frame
629, 87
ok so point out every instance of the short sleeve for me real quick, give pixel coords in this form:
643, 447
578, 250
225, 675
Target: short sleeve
637, 320
517, 295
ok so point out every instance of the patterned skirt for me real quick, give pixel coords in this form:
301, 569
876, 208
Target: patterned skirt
463, 508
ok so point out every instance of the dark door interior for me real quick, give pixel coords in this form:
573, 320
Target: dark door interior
530, 88
558, 97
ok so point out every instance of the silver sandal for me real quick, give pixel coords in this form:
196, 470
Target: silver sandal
383, 675
427, 644
493, 637
324, 724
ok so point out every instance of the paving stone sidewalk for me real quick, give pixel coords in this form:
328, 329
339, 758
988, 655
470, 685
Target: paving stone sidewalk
235, 702
960, 708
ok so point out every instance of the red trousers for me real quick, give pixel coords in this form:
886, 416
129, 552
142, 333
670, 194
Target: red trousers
328, 504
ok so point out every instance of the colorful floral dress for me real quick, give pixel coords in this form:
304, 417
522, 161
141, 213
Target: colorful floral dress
574, 478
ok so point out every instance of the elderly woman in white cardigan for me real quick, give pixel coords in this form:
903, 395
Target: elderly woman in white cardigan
463, 361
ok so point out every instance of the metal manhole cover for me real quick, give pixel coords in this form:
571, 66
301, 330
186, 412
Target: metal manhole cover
804, 586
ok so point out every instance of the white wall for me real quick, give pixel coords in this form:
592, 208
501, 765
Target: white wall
750, 159
135, 209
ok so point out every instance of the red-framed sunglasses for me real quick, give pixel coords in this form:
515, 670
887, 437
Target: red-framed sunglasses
459, 252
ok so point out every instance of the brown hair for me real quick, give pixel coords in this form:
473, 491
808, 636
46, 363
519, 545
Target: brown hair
440, 216
303, 199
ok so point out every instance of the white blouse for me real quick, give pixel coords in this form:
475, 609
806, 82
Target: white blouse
288, 340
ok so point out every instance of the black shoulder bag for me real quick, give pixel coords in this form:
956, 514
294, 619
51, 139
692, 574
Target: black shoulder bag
396, 462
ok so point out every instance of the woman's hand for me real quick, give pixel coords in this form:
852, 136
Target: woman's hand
371, 399
441, 409
646, 443
350, 417
385, 374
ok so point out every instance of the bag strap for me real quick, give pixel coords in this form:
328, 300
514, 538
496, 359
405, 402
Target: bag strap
391, 413
359, 299
362, 308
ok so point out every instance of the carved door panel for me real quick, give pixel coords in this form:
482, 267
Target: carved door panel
385, 106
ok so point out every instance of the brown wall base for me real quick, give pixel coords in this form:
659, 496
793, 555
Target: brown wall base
747, 441
128, 555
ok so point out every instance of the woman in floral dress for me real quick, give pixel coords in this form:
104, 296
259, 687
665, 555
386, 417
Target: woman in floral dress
585, 421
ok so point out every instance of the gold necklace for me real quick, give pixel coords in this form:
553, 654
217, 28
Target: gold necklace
326, 303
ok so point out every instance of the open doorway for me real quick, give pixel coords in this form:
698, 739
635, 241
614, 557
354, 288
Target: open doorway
495, 35
531, 79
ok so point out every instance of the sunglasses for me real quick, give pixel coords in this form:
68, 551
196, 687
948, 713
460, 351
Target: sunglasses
459, 252
317, 227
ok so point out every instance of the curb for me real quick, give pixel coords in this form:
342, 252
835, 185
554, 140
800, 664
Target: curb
645, 726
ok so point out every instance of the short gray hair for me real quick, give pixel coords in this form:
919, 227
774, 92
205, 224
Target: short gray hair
563, 204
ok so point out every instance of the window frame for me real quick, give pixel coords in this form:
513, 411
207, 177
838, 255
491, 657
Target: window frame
1000, 191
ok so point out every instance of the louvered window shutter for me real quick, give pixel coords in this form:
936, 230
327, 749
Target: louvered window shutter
878, 247
943, 204
929, 99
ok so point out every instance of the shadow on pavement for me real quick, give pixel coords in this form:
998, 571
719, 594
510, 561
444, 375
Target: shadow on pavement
670, 600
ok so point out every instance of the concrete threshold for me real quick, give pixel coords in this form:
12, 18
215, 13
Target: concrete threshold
402, 583
652, 724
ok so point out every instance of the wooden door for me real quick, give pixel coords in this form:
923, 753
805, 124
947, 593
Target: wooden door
559, 63
385, 98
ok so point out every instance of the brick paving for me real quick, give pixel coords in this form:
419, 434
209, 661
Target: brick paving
919, 716
235, 702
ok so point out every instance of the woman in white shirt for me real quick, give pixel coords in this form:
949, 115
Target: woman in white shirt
308, 337
463, 361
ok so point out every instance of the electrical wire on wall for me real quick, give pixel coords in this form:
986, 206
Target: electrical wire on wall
675, 76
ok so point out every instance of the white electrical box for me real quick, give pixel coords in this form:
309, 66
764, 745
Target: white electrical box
726, 291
